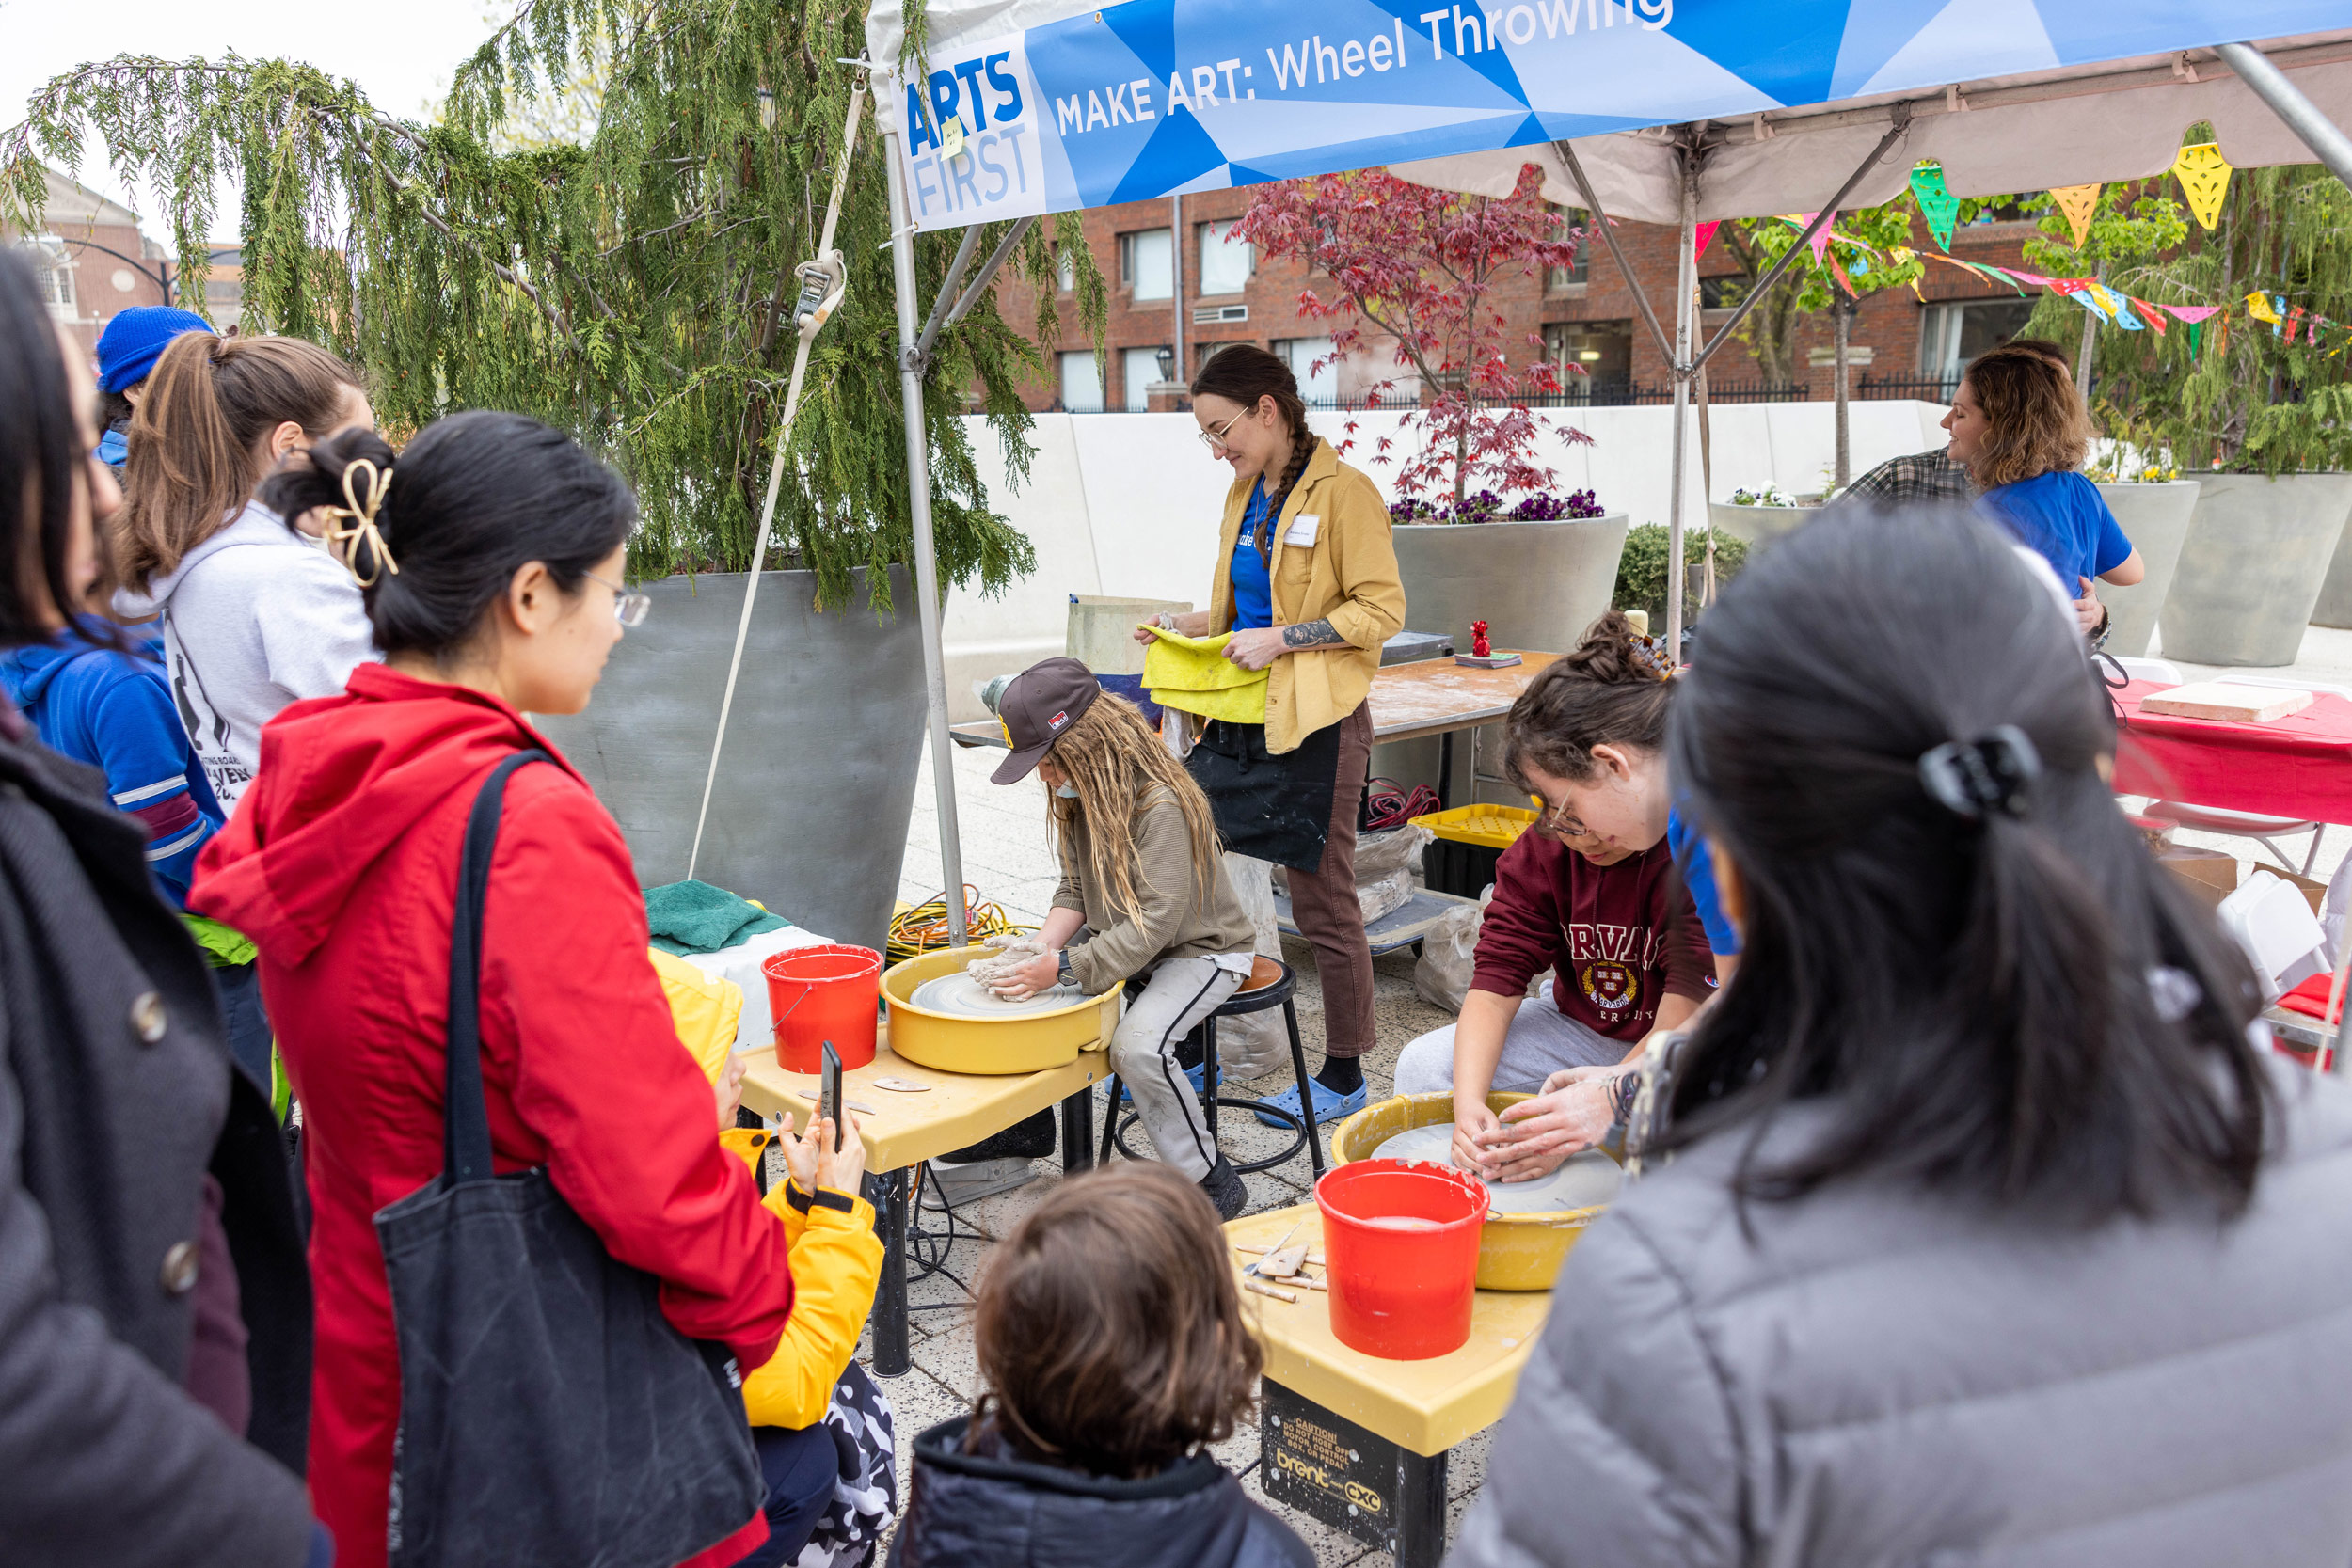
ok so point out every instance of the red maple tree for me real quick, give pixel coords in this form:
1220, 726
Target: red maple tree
1419, 267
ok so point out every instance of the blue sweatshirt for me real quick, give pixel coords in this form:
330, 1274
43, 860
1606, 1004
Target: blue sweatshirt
115, 712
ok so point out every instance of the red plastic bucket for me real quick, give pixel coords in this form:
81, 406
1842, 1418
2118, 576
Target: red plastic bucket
1400, 1241
817, 994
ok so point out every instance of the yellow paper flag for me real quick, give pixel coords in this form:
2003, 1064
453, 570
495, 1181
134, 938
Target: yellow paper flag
2204, 179
2258, 306
2078, 202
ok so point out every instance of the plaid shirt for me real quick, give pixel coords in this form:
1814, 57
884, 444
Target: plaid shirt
1925, 476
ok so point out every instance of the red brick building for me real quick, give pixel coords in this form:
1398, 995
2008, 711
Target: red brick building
92, 258
1216, 293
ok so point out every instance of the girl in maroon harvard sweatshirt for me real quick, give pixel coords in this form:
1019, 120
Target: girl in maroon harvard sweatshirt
1614, 923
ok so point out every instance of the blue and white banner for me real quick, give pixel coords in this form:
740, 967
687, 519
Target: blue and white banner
1156, 98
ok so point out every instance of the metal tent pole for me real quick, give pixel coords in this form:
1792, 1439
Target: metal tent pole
2320, 133
1686, 287
911, 360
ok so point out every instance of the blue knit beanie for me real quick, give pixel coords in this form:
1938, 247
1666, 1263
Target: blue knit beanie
128, 348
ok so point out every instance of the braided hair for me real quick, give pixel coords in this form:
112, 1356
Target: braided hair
1612, 689
1243, 373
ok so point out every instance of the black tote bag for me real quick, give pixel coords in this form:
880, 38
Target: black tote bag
548, 1413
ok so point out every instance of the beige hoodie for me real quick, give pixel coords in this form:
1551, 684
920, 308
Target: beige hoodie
1174, 923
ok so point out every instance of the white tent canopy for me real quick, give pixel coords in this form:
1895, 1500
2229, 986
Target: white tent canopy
1023, 107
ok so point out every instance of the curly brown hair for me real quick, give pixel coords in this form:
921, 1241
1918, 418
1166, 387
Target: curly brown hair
1611, 689
2038, 422
1108, 1328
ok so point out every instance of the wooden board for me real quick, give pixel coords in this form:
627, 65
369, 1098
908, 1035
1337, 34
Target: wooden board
2244, 704
1434, 696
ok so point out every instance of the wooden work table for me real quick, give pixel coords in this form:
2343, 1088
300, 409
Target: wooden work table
1371, 1456
903, 1130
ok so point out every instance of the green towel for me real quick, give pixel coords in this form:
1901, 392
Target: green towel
696, 917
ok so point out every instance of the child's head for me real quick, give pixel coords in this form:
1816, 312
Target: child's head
1589, 736
1951, 933
2017, 416
1097, 756
216, 416
1108, 1329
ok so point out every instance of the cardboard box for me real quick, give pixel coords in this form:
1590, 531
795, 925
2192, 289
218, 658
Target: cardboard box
2209, 874
2314, 894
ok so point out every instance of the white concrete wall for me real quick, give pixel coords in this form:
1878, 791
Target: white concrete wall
1129, 504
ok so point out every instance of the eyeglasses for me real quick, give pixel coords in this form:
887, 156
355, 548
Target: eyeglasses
1559, 823
1214, 440
627, 608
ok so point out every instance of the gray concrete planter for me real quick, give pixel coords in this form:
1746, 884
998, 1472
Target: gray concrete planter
2156, 518
2335, 595
1536, 585
809, 814
2258, 550
1757, 525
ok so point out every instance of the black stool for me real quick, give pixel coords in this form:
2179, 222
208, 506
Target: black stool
1269, 984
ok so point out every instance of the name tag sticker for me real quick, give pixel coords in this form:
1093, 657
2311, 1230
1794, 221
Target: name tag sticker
1303, 528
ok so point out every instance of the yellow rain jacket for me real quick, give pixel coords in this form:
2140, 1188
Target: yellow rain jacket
835, 1256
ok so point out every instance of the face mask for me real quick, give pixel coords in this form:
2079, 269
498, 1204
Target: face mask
1065, 792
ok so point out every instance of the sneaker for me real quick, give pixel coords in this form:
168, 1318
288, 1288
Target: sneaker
1225, 1189
1330, 1105
1192, 1076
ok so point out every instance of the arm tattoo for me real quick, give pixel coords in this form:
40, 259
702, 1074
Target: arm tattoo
1312, 634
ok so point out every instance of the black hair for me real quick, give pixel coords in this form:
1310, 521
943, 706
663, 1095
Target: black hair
2021, 1008
41, 459
1243, 373
473, 498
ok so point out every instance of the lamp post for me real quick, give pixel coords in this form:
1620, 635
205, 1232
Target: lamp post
1166, 357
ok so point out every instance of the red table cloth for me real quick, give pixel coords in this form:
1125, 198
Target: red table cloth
2298, 767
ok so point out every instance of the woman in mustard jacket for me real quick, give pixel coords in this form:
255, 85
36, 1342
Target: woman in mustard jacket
1307, 585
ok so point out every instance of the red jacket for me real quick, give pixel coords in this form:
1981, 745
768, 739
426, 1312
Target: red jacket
341, 863
1618, 938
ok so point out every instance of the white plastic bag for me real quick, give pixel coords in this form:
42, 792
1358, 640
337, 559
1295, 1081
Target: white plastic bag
1254, 1043
1448, 955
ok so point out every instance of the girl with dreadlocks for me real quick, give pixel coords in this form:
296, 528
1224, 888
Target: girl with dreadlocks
1143, 892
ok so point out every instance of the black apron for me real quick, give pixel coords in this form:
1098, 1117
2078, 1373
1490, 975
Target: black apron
1268, 807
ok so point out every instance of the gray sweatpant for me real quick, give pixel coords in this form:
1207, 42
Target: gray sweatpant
1542, 1040
1180, 992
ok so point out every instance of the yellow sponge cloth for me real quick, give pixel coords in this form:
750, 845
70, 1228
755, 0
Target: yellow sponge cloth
1192, 675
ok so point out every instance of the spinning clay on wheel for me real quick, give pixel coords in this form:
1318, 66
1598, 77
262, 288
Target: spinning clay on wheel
964, 997
1579, 1182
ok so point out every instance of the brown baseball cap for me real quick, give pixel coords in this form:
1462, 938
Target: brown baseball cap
1044, 700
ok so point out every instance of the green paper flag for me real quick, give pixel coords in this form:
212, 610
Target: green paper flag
1936, 204
2193, 332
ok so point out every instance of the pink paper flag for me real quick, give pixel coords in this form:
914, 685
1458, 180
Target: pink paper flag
2192, 314
1820, 238
1703, 237
2033, 277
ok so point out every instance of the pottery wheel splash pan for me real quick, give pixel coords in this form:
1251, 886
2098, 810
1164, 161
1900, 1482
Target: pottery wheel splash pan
954, 1030
1516, 1252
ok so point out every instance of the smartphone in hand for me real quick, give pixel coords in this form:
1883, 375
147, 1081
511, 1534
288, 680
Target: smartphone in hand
829, 1091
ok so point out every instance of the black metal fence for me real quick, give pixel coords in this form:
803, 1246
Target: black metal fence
1925, 389
1631, 394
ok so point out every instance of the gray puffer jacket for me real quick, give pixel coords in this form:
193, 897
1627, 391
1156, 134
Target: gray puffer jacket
1879, 1377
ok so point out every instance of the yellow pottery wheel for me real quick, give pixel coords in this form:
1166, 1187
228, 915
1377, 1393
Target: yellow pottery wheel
1024, 1042
1516, 1252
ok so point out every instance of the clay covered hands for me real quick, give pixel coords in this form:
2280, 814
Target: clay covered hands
1573, 1111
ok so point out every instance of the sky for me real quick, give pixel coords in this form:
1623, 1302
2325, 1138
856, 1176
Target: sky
402, 55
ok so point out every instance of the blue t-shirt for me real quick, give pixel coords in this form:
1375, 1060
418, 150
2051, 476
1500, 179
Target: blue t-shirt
2062, 518
1698, 876
1254, 589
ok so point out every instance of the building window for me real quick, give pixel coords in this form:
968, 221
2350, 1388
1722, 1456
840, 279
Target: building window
1561, 280
1225, 263
1952, 334
1142, 368
1081, 382
1147, 264
1319, 387
54, 266
1602, 351
1722, 291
